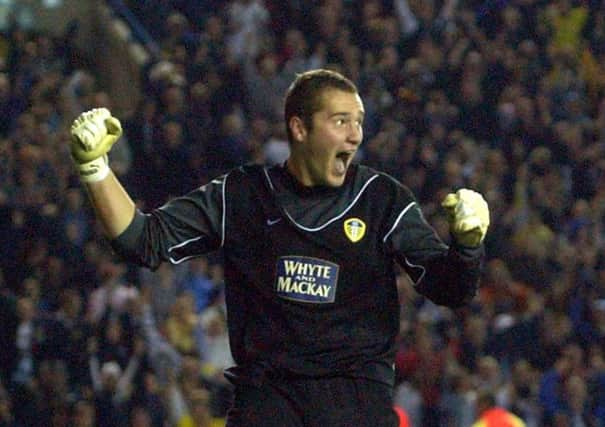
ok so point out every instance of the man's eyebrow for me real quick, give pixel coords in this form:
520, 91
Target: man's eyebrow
346, 114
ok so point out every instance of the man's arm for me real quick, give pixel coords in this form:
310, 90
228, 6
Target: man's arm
186, 226
446, 275
93, 133
113, 206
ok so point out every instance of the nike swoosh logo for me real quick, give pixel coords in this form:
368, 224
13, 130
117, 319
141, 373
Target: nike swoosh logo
273, 221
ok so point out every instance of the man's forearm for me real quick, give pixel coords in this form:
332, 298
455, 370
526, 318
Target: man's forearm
113, 206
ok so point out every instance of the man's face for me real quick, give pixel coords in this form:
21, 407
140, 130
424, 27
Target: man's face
331, 143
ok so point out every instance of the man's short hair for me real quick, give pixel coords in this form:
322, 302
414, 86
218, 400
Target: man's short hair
304, 96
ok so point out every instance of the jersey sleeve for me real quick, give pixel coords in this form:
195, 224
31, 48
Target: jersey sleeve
183, 228
447, 275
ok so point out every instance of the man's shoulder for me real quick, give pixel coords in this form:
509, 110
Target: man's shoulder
246, 170
248, 183
247, 174
379, 178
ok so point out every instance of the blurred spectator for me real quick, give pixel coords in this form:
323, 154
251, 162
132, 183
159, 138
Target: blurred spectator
6, 414
149, 402
83, 414
276, 148
199, 284
247, 23
576, 409
264, 83
491, 415
113, 386
182, 324
161, 289
523, 392
552, 387
74, 331
111, 297
217, 354
458, 403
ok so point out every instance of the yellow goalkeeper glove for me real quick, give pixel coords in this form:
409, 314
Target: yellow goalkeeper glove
468, 215
93, 133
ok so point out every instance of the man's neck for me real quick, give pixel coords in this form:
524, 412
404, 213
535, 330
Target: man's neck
296, 168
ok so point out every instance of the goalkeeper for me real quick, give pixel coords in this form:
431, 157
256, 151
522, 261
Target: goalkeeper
310, 249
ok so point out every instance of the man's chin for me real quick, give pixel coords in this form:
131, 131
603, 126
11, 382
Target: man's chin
336, 180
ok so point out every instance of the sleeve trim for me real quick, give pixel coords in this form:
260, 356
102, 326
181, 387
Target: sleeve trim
223, 182
268, 179
180, 245
416, 266
403, 212
126, 242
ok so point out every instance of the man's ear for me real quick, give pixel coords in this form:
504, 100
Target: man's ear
297, 128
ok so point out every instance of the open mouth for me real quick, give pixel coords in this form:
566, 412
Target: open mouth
343, 159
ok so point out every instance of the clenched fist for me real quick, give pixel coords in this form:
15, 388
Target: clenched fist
93, 133
468, 215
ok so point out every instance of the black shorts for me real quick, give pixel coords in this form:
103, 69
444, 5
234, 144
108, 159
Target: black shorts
325, 402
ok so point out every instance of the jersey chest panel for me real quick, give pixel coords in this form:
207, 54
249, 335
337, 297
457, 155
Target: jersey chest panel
333, 262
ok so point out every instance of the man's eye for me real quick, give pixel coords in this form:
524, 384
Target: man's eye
340, 122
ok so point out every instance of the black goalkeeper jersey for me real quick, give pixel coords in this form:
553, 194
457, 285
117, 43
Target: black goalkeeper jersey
309, 272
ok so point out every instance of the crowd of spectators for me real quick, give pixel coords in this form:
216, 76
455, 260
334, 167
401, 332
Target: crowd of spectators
505, 97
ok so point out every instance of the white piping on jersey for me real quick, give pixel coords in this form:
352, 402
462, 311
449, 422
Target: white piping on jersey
330, 221
186, 242
403, 212
180, 245
416, 266
268, 178
407, 208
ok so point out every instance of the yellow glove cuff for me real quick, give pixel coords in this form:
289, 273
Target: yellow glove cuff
96, 170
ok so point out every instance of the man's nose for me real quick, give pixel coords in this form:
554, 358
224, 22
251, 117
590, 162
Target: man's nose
355, 135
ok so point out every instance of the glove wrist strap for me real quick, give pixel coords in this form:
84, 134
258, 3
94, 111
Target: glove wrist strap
95, 170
